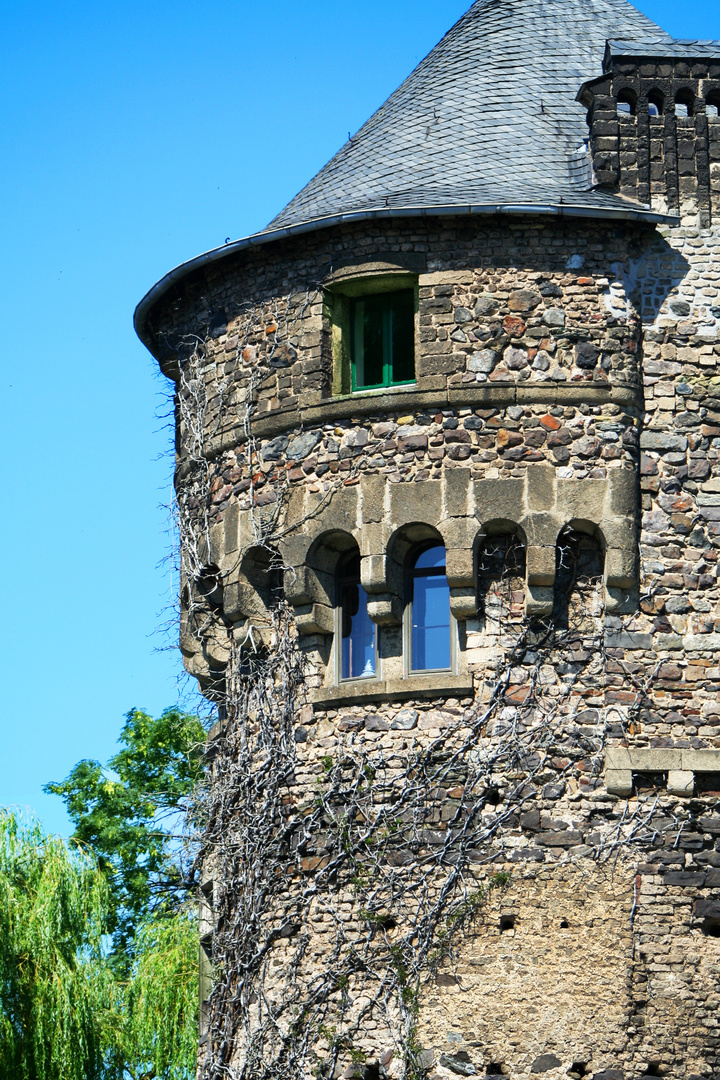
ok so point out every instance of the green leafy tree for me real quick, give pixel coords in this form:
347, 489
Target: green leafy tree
54, 984
128, 814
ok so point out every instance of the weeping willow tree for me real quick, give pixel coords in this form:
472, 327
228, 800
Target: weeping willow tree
155, 1028
53, 982
65, 1014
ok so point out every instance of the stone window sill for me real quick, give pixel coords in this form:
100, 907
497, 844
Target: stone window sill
416, 686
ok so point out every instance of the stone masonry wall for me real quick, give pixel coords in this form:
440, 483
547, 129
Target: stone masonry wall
544, 350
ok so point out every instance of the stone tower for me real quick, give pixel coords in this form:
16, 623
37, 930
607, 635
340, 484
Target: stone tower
458, 407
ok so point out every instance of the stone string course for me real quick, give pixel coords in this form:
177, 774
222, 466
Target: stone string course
585, 350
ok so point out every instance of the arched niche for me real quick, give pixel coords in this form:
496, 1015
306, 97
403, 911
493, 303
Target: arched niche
251, 593
684, 103
311, 587
656, 103
579, 593
712, 106
501, 561
626, 104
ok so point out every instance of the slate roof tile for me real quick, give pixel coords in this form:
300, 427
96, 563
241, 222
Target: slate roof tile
489, 116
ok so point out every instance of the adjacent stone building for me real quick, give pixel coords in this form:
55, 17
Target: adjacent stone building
459, 406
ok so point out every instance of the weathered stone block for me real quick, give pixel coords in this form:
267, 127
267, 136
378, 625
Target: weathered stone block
681, 783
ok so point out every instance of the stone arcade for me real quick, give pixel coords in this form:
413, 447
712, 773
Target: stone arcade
478, 359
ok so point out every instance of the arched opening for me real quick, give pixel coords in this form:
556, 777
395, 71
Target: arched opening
626, 103
430, 638
684, 103
501, 578
656, 103
712, 106
357, 633
579, 567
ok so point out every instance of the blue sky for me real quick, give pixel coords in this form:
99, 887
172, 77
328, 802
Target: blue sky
135, 136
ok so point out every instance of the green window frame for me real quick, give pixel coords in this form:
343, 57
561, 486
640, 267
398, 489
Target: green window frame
382, 336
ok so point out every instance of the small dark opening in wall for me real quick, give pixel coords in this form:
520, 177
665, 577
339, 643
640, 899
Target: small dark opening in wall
656, 104
707, 783
492, 796
494, 1068
653, 1069
209, 585
218, 323
507, 922
711, 928
712, 106
578, 1068
626, 104
649, 781
564, 924
684, 103
372, 1071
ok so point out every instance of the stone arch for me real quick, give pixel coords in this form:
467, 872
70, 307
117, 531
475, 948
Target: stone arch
310, 587
684, 102
252, 589
712, 105
627, 103
401, 546
656, 103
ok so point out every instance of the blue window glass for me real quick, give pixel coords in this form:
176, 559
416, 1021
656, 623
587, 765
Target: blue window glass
358, 631
430, 610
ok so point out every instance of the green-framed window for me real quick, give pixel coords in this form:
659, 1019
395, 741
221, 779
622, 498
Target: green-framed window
382, 334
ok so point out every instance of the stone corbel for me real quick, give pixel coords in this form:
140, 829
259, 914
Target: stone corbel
385, 605
459, 535
315, 619
460, 569
313, 613
539, 589
621, 575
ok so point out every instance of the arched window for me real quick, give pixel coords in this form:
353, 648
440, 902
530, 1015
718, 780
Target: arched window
429, 607
656, 103
626, 103
357, 636
684, 103
501, 580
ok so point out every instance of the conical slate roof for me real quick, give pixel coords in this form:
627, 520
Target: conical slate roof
488, 117
488, 122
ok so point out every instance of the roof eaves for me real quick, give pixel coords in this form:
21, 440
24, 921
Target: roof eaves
673, 48
620, 212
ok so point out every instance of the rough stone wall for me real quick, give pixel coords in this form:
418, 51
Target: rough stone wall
544, 350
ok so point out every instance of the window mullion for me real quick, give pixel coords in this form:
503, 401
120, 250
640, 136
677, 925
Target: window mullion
387, 346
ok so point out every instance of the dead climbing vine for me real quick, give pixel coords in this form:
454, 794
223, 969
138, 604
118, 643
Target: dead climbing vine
343, 881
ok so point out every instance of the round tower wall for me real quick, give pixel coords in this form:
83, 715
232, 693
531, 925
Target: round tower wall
566, 385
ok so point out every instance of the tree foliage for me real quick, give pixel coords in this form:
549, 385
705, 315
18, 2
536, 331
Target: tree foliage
53, 907
127, 813
72, 1007
159, 1031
